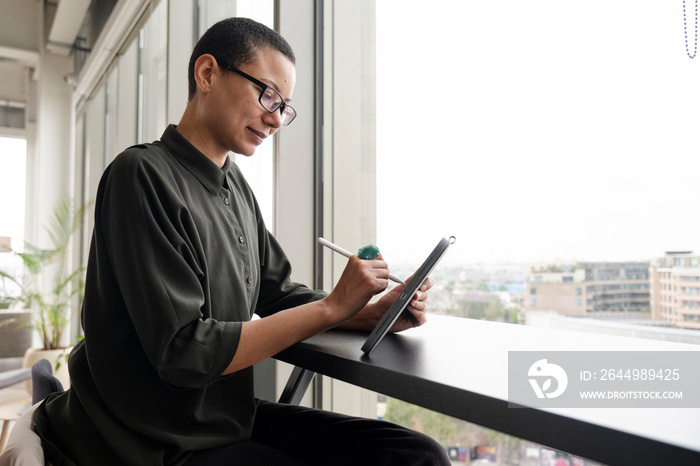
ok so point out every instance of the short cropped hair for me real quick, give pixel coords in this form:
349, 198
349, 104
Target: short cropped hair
235, 41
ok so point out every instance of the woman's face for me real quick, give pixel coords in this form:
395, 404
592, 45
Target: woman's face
239, 122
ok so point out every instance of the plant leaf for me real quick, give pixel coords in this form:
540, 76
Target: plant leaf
51, 311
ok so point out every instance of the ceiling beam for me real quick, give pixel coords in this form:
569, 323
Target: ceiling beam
66, 25
19, 57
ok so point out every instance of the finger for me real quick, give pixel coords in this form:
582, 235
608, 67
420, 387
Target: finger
381, 281
373, 265
417, 305
379, 270
418, 317
379, 264
373, 273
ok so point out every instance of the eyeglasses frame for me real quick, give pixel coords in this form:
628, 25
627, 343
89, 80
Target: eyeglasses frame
263, 87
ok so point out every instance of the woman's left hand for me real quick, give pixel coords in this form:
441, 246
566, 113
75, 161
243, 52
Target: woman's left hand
413, 316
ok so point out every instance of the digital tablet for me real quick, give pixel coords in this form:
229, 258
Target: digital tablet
406, 295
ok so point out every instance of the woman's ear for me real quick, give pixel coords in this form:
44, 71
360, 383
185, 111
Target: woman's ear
204, 69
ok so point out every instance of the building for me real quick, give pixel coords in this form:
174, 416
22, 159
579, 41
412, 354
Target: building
587, 288
675, 289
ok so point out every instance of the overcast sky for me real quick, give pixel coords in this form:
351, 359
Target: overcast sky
537, 130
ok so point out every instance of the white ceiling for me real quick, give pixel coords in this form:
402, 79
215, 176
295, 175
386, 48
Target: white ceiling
20, 38
66, 24
19, 24
19, 41
13, 83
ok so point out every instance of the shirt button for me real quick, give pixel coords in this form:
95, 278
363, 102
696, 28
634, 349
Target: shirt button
241, 239
249, 279
226, 201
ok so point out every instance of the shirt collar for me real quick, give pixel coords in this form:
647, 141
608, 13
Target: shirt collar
206, 171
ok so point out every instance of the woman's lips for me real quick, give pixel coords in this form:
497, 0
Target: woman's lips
258, 136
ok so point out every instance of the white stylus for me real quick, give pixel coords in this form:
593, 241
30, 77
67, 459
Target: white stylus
348, 254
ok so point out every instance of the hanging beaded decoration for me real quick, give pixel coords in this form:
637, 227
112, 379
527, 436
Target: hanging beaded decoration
685, 30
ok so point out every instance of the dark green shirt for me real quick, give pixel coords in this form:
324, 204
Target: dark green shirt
180, 257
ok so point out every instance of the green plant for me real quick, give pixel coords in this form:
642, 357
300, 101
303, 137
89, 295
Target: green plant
50, 306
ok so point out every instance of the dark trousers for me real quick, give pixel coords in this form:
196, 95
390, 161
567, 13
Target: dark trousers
295, 435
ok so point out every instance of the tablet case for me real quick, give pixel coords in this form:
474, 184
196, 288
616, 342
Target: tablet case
406, 295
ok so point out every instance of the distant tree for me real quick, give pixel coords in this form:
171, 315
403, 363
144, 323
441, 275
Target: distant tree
507, 447
444, 429
495, 311
513, 315
470, 309
400, 413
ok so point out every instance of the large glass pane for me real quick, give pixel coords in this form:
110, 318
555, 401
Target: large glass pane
13, 166
211, 11
259, 168
471, 444
127, 101
152, 74
93, 144
555, 142
12, 115
558, 157
111, 115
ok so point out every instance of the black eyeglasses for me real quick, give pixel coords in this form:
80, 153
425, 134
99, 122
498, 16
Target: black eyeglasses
270, 99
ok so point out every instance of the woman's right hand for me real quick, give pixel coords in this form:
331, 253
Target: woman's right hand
359, 282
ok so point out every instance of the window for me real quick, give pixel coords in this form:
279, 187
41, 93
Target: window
12, 115
153, 75
483, 109
478, 127
13, 159
258, 169
13, 155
